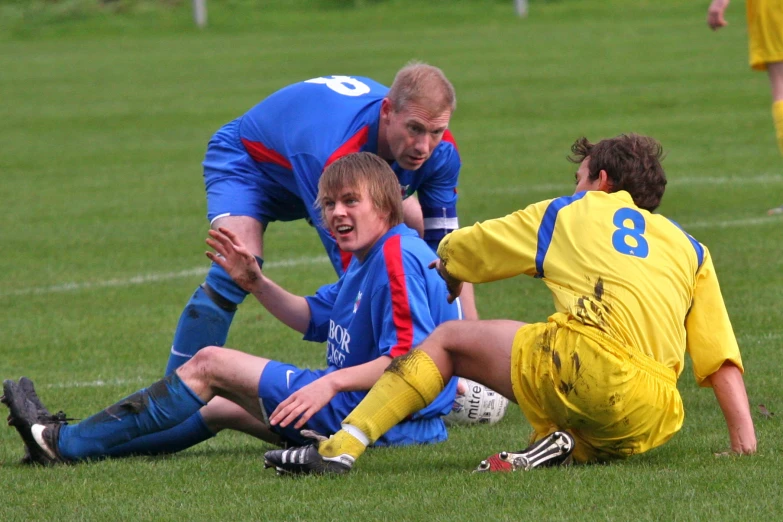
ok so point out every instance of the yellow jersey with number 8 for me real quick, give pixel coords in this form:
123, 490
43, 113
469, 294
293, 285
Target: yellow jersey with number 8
635, 275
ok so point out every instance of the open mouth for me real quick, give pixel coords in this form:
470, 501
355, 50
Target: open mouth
343, 229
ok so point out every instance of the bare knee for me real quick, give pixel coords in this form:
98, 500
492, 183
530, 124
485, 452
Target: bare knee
201, 367
249, 230
440, 346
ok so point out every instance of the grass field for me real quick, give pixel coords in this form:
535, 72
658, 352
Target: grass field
105, 118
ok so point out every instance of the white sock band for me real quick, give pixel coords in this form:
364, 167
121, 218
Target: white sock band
357, 434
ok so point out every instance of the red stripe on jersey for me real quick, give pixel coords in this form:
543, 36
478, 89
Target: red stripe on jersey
449, 137
354, 144
262, 154
401, 310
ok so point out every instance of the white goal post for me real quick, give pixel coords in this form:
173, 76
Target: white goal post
200, 12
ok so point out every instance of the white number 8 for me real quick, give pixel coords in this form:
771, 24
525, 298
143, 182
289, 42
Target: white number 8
344, 85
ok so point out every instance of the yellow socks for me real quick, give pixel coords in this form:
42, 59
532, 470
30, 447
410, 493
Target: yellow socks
342, 443
408, 385
777, 116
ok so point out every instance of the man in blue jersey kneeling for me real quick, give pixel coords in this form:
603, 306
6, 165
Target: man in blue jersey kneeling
386, 302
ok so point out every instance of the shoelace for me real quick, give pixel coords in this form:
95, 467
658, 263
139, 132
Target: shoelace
60, 416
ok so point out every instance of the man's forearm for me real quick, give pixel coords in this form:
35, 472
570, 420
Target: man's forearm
292, 310
729, 388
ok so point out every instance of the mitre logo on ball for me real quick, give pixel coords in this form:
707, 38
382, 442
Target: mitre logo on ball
478, 405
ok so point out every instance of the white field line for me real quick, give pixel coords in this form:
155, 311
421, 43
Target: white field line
544, 187
100, 383
565, 188
150, 278
748, 222
167, 276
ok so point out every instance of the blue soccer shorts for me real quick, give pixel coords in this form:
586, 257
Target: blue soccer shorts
279, 380
236, 185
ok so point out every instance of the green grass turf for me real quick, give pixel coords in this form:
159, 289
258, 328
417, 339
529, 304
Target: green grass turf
105, 116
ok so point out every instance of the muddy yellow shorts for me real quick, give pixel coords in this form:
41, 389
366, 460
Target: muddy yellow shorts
765, 32
616, 401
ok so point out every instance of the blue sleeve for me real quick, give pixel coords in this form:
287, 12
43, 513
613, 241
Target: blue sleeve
321, 305
438, 193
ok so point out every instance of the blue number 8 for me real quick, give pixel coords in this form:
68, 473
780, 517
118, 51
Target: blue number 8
637, 246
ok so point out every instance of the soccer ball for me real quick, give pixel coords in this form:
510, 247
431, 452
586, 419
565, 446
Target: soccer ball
479, 405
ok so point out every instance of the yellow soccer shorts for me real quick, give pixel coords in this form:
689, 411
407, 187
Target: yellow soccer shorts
765, 32
614, 400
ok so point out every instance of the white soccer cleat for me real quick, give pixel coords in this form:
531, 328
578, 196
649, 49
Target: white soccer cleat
553, 450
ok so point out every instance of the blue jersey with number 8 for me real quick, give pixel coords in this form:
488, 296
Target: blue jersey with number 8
296, 132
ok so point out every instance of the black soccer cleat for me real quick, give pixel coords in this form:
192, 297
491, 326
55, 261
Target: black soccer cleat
39, 434
306, 460
553, 450
27, 386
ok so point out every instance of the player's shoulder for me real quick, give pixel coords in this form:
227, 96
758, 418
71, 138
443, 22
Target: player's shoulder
404, 251
677, 231
445, 155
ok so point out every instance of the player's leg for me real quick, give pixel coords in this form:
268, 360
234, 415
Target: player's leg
765, 33
194, 430
775, 71
477, 350
220, 414
467, 301
412, 216
207, 317
238, 198
164, 405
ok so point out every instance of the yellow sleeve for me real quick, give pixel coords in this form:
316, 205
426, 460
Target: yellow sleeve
494, 249
710, 337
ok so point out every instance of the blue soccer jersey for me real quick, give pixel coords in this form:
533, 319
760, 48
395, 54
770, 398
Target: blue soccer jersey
267, 163
386, 305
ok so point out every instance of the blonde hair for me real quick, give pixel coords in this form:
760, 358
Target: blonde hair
359, 170
422, 84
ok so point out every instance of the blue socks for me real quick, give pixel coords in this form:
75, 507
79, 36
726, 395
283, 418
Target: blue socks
163, 418
181, 437
164, 405
206, 318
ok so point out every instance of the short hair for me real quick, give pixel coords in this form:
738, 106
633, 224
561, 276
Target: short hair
358, 170
631, 161
423, 84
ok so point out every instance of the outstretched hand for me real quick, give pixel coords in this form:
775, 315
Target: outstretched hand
234, 258
454, 286
715, 12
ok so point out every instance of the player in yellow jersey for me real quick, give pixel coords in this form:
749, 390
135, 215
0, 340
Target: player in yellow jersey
632, 291
765, 35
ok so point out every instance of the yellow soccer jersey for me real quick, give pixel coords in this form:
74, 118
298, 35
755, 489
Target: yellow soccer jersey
634, 275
